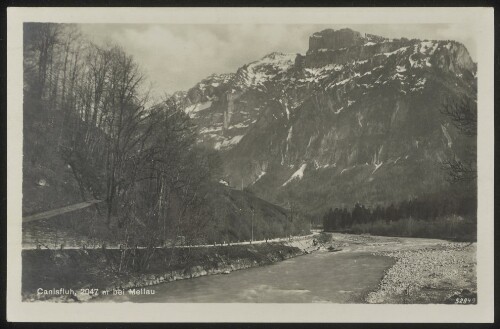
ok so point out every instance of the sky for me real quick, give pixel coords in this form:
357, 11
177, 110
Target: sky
177, 56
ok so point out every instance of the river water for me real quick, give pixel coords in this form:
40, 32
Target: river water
341, 277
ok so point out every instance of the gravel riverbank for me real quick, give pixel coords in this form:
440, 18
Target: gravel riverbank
445, 273
426, 271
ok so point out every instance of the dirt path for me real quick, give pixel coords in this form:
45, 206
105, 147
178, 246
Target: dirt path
59, 211
36, 239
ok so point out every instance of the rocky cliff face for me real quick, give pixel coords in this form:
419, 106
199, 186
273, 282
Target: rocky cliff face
357, 118
329, 39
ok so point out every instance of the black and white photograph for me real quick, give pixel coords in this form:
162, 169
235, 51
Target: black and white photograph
253, 163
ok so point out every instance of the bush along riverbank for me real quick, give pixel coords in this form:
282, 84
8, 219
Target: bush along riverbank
74, 275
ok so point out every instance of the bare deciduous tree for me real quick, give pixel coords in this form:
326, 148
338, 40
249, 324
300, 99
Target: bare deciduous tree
139, 157
41, 39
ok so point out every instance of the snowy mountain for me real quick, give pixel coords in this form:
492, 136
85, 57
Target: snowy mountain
355, 118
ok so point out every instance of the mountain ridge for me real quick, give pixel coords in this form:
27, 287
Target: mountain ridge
352, 105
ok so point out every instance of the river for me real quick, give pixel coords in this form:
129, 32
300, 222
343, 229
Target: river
341, 277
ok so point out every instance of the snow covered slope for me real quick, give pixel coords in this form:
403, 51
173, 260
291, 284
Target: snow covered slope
356, 116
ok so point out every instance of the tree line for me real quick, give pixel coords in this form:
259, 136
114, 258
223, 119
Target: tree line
456, 215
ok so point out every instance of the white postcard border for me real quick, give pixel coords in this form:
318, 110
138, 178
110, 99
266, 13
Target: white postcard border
478, 19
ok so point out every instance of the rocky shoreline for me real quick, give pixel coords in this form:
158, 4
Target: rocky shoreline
445, 273
426, 271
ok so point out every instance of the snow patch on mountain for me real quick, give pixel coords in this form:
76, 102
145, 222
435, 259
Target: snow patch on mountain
267, 68
228, 143
413, 63
290, 131
359, 116
447, 136
193, 109
296, 175
310, 141
210, 130
400, 50
346, 169
419, 85
428, 47
339, 83
239, 125
377, 165
328, 165
262, 173
400, 69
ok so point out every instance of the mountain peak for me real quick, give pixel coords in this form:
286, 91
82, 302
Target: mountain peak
334, 39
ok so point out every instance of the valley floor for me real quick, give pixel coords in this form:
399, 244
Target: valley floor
425, 271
